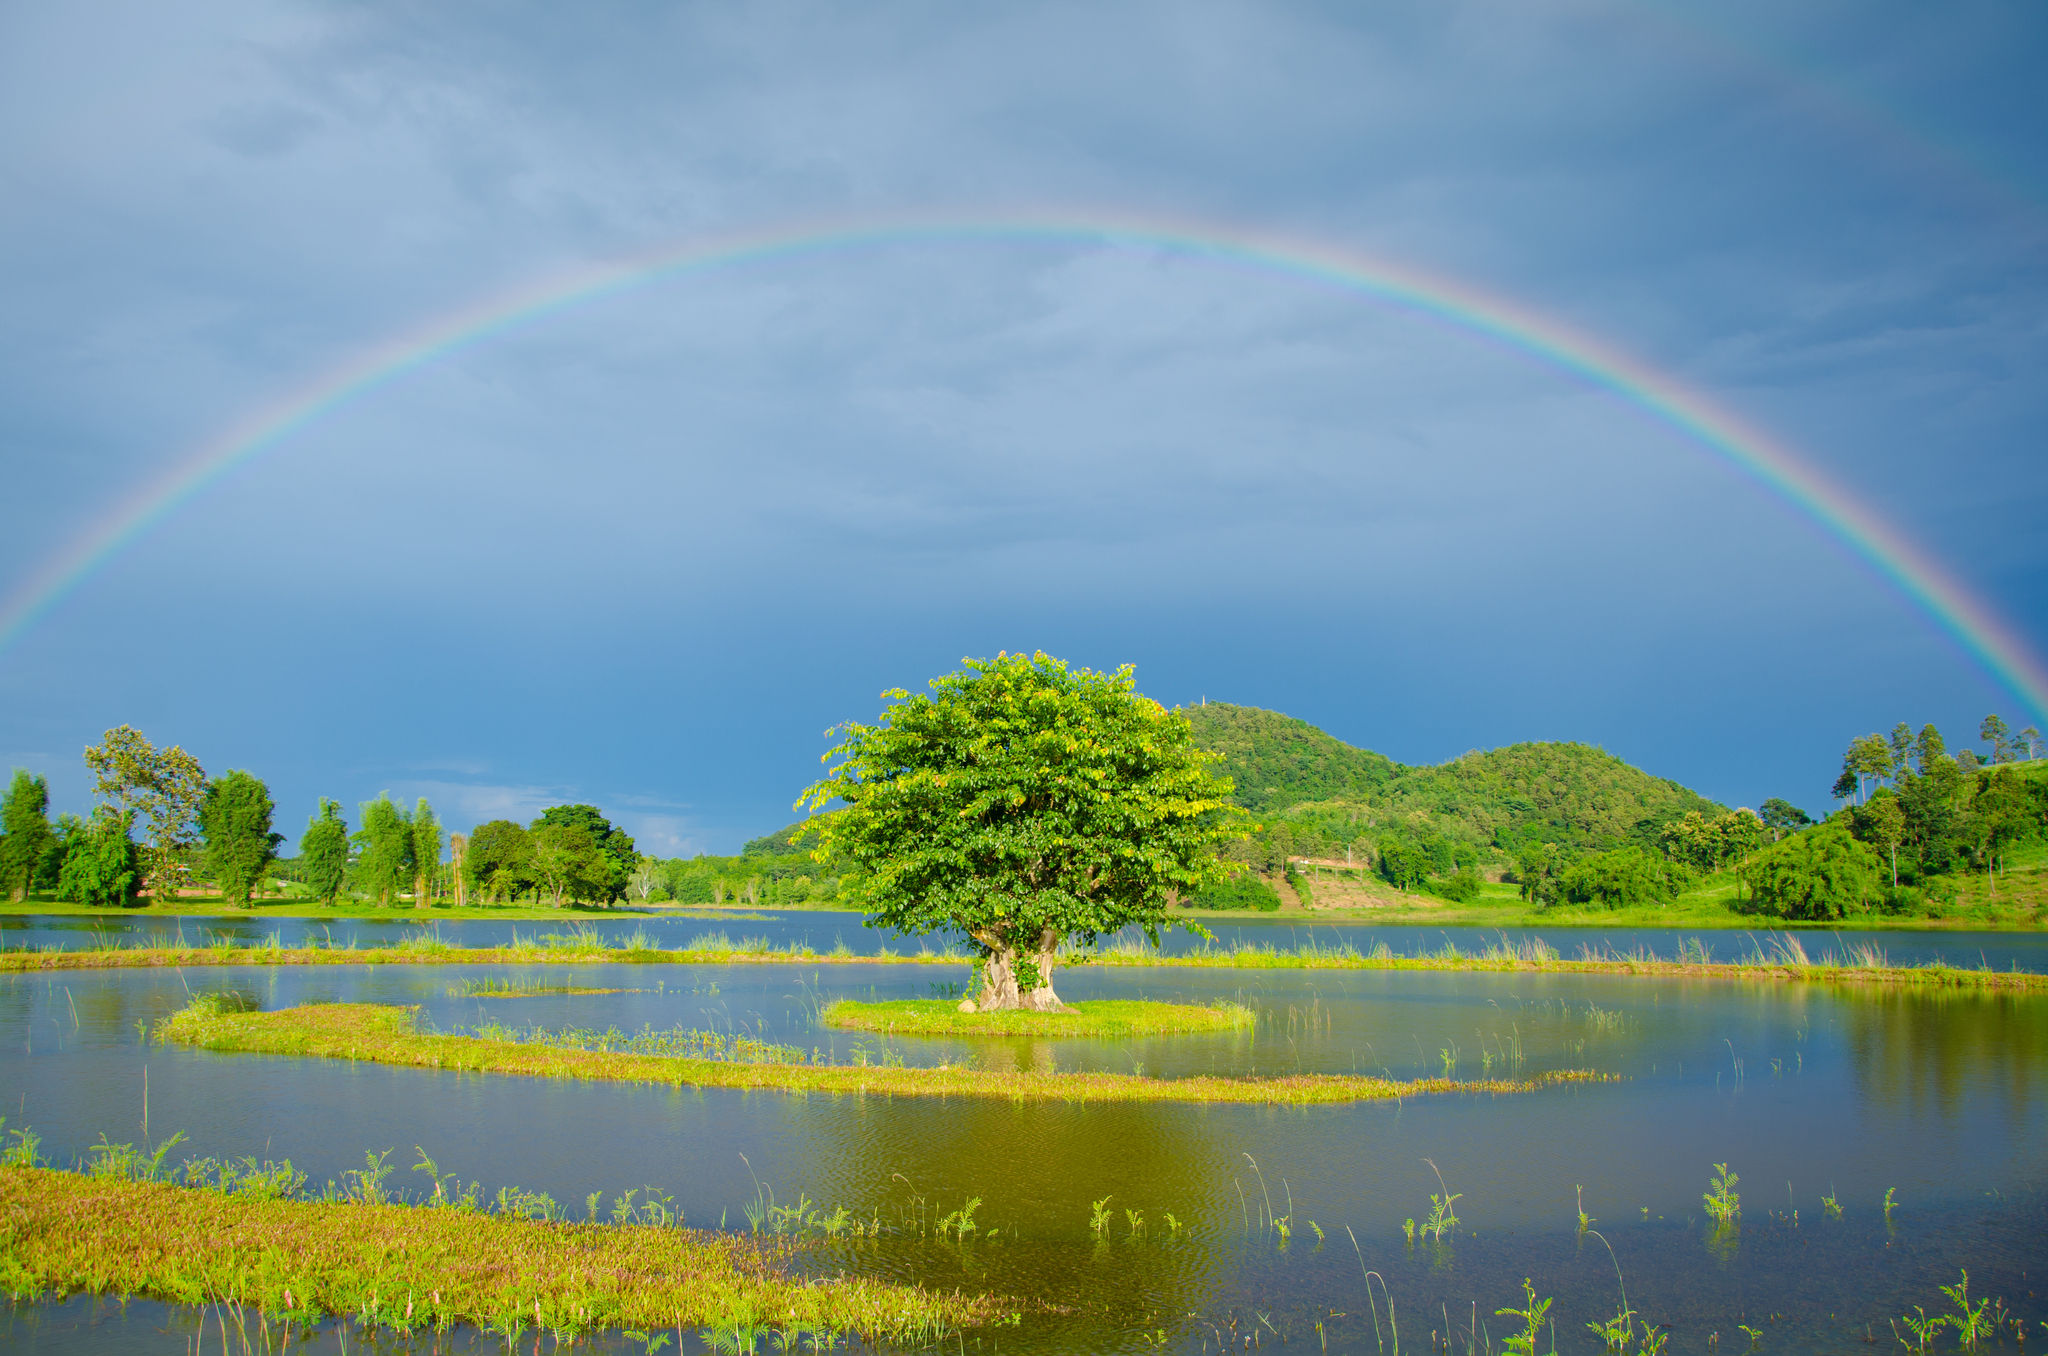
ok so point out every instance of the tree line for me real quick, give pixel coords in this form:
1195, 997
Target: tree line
163, 825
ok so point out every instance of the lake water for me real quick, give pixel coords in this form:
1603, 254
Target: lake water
1804, 1091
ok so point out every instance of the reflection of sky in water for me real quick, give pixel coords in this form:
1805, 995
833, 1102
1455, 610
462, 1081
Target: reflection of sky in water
824, 930
1804, 1090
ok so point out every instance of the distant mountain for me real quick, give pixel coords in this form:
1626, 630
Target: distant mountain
1568, 793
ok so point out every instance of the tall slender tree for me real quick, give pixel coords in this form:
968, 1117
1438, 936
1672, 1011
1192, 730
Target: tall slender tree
323, 852
385, 861
458, 867
426, 854
24, 819
2005, 747
239, 843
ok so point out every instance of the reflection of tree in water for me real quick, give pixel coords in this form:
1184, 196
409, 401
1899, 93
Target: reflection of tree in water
1037, 1166
1946, 1048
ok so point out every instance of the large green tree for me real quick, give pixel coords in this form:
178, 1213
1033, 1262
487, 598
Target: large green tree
1022, 803
103, 867
384, 860
240, 846
496, 859
24, 819
604, 881
323, 852
164, 786
567, 861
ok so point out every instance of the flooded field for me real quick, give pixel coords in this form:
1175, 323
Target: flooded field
1187, 1228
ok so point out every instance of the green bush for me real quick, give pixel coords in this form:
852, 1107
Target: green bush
1626, 878
1821, 873
1239, 892
1460, 887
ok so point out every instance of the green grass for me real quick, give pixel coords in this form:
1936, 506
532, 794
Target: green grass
1103, 1019
389, 1035
405, 1268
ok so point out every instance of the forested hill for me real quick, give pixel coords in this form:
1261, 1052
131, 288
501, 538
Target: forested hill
1555, 792
1571, 793
1277, 761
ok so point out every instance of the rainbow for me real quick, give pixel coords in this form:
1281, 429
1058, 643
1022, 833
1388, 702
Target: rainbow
1972, 624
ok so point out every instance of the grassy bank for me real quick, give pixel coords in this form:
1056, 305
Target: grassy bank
388, 1035
415, 1267
1782, 958
1104, 1019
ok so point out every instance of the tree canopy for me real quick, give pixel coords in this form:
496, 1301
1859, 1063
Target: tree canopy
164, 786
240, 846
25, 824
1021, 803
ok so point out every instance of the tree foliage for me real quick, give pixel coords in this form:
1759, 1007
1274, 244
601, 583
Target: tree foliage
602, 880
235, 818
25, 824
1021, 803
1627, 878
323, 852
384, 850
496, 860
164, 786
1820, 874
103, 867
427, 841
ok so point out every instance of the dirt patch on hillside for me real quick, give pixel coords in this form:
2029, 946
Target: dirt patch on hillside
1337, 892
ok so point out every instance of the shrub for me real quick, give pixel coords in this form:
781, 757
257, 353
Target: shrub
1625, 878
1822, 873
1460, 887
1239, 892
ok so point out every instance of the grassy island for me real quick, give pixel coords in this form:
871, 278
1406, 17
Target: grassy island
390, 1035
1107, 1019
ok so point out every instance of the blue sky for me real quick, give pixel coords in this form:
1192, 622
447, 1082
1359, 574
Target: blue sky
643, 551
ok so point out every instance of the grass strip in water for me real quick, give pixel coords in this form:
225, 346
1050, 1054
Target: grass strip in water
1783, 960
1102, 1019
389, 1035
408, 1267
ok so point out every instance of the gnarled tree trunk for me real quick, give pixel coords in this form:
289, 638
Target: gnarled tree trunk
1001, 989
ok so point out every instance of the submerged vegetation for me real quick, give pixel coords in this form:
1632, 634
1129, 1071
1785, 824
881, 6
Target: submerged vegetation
390, 1035
1104, 1018
357, 1253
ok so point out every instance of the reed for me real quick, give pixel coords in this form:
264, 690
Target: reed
390, 1035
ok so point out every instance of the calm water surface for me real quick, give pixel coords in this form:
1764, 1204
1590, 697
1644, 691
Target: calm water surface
1806, 1092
